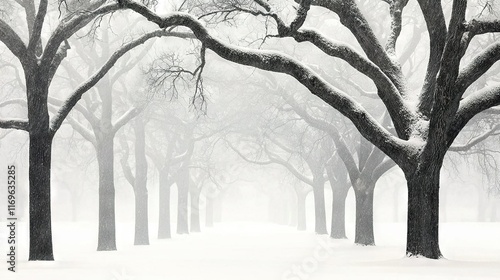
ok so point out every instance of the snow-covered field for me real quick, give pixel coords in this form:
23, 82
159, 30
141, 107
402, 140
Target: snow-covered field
239, 251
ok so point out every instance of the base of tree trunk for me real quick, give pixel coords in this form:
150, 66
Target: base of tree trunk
39, 200
423, 213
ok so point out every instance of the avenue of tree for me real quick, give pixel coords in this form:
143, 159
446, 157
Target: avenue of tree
420, 120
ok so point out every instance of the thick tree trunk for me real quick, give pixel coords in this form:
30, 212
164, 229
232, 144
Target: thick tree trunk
338, 210
363, 192
164, 205
301, 211
40, 212
106, 240
319, 209
209, 215
182, 201
195, 211
423, 212
140, 185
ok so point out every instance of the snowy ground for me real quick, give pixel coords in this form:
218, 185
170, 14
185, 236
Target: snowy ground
260, 252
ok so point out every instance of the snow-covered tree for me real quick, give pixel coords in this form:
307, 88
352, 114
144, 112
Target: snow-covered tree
426, 121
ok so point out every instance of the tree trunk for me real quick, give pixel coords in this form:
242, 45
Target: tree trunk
292, 209
164, 205
363, 192
209, 216
301, 211
141, 218
182, 201
106, 240
218, 201
40, 212
423, 212
338, 210
195, 211
140, 185
319, 209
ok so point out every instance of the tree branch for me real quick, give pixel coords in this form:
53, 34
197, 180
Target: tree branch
436, 26
36, 33
471, 106
77, 94
396, 148
477, 67
13, 42
14, 124
126, 117
476, 140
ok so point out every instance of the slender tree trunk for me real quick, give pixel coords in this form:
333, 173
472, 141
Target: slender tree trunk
209, 216
423, 212
195, 211
301, 211
218, 201
106, 240
40, 150
140, 185
182, 201
319, 209
164, 205
338, 210
292, 209
141, 218
363, 192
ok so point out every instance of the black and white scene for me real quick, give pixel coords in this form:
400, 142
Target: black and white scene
250, 139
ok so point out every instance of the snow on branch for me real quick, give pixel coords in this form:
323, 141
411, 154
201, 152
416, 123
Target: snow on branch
352, 18
14, 124
396, 11
282, 63
477, 67
478, 27
472, 105
127, 116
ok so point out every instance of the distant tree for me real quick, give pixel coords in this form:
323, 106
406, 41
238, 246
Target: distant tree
423, 134
138, 179
40, 63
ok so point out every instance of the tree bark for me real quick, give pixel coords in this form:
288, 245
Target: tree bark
423, 212
164, 205
363, 192
338, 210
140, 185
40, 211
195, 211
106, 240
301, 211
182, 201
319, 209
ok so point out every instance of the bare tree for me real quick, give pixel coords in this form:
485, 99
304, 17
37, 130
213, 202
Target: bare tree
40, 63
423, 134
